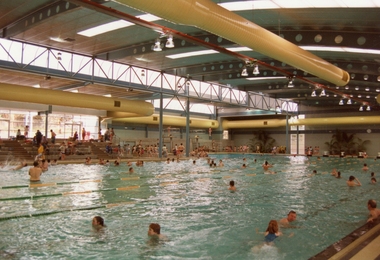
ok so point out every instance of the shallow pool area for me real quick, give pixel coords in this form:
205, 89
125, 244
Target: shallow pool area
192, 203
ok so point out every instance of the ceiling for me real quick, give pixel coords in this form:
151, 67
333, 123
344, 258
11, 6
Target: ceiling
332, 27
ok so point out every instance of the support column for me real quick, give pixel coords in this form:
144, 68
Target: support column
160, 126
187, 127
287, 133
46, 124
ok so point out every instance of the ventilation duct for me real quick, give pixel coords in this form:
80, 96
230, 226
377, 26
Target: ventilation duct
170, 120
213, 18
273, 123
131, 108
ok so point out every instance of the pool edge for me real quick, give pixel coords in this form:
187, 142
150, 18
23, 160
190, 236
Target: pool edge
352, 244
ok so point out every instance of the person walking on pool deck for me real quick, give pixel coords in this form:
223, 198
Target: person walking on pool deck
53, 135
83, 134
35, 172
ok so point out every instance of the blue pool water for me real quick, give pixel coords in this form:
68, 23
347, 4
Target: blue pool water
201, 218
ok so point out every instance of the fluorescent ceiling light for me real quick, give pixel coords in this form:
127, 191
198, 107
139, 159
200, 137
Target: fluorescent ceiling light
278, 4
191, 54
237, 49
108, 27
149, 17
205, 52
36, 86
107, 95
340, 49
265, 78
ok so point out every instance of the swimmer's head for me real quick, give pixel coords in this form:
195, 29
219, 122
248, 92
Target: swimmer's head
98, 221
272, 226
232, 183
372, 203
154, 229
351, 178
292, 215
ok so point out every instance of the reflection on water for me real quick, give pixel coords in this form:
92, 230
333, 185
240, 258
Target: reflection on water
202, 219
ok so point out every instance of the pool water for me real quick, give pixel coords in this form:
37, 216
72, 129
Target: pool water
200, 217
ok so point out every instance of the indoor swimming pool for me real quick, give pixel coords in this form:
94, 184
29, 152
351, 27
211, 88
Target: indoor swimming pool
200, 216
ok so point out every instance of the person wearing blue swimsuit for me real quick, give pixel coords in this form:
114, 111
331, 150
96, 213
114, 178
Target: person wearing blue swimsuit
272, 231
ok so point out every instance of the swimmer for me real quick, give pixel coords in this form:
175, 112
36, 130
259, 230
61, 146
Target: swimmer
314, 173
155, 231
373, 180
334, 172
98, 222
266, 167
221, 164
129, 163
270, 234
88, 161
54, 162
244, 166
374, 213
22, 165
130, 170
338, 175
272, 231
194, 162
44, 165
292, 216
352, 181
35, 172
232, 186
365, 167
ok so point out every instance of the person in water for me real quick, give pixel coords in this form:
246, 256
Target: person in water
154, 231
232, 186
272, 231
285, 222
98, 222
266, 167
270, 235
352, 181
